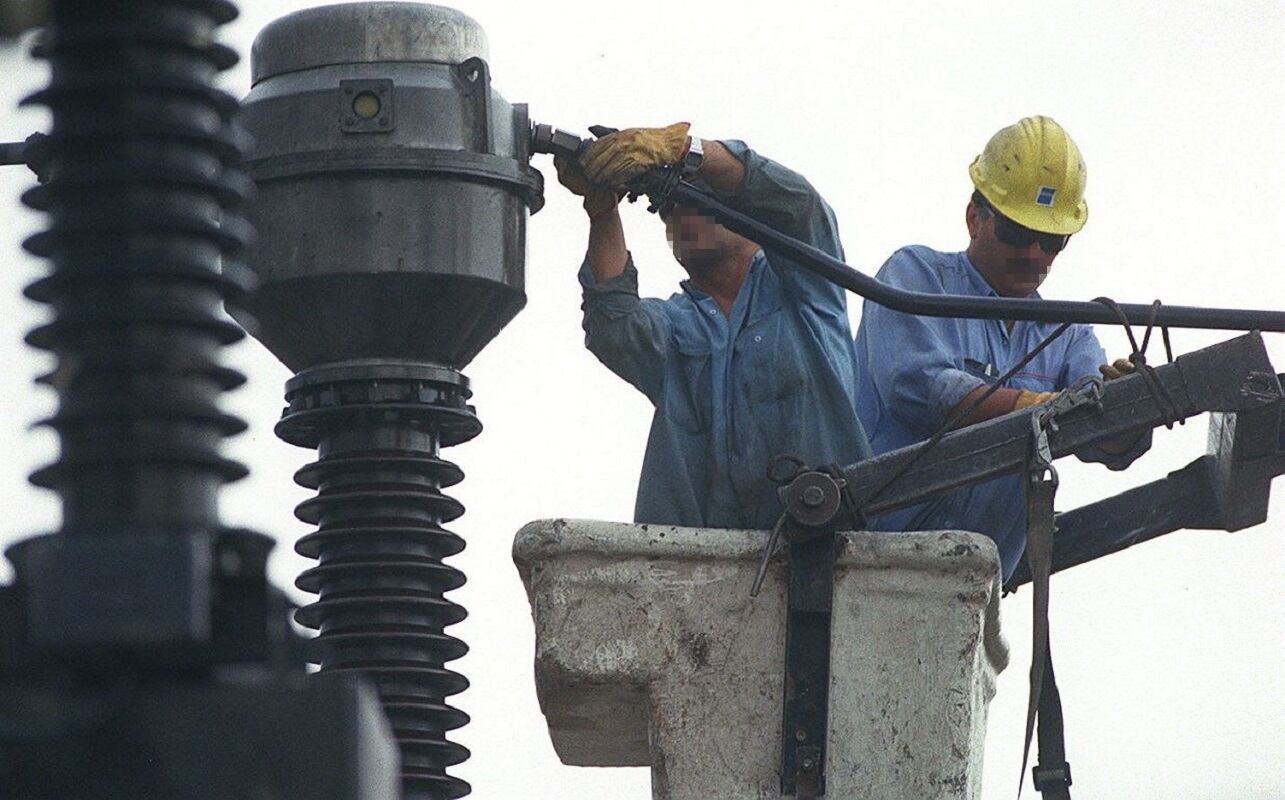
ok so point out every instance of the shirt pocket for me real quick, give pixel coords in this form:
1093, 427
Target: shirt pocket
688, 390
1033, 381
1028, 379
769, 366
984, 371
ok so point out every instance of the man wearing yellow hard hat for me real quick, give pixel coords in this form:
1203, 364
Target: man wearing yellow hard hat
914, 372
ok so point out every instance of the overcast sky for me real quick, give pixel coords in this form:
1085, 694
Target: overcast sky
1169, 654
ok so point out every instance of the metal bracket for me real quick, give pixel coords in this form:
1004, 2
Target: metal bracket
1227, 489
475, 81
811, 499
805, 718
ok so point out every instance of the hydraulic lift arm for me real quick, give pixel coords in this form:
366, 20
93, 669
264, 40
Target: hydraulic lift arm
1226, 489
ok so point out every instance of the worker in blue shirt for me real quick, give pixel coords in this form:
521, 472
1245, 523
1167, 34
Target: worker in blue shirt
914, 372
752, 359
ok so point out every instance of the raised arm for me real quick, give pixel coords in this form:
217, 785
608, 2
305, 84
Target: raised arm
607, 251
724, 172
785, 200
744, 180
627, 334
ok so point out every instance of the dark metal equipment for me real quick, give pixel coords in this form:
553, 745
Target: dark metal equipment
17, 16
805, 711
143, 652
1227, 489
394, 189
23, 152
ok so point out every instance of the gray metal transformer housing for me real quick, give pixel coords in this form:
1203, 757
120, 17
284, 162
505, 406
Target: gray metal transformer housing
394, 187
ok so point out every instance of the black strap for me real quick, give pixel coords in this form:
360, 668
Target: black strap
1043, 700
1052, 775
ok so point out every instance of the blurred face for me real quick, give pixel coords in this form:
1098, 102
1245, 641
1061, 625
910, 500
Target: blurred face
698, 242
1014, 260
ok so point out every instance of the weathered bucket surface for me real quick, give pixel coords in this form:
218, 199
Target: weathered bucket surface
650, 651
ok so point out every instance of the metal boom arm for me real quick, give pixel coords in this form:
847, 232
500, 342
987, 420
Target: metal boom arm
1231, 376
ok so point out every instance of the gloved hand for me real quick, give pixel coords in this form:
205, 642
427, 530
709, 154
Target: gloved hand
597, 199
1026, 399
619, 157
1117, 369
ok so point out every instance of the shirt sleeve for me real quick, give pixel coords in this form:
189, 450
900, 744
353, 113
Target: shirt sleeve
786, 201
1083, 356
628, 334
914, 361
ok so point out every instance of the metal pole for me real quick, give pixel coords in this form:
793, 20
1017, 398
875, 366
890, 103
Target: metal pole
13, 153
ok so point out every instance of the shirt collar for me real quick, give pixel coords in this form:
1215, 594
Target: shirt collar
756, 264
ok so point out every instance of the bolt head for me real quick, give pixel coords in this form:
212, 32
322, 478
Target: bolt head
813, 496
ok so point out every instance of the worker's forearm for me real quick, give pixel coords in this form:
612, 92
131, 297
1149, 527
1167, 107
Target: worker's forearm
997, 405
720, 169
607, 252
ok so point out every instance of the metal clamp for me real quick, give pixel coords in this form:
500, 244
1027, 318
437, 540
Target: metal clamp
1086, 391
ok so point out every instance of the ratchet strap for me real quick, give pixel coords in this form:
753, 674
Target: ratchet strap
1052, 775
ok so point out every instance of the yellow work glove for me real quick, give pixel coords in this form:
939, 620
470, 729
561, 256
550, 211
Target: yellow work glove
1117, 369
597, 199
1027, 399
618, 158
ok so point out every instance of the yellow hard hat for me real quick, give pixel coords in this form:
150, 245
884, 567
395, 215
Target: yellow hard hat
1033, 174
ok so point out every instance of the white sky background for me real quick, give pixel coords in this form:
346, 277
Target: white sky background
1168, 654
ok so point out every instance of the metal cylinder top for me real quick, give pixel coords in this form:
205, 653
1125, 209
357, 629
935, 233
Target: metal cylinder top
363, 33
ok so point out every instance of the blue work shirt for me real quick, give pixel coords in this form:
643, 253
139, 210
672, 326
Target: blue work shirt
731, 392
912, 371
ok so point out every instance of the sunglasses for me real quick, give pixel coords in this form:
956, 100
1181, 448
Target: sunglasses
1014, 235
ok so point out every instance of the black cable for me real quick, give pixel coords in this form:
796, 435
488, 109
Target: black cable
661, 186
1159, 394
1029, 309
